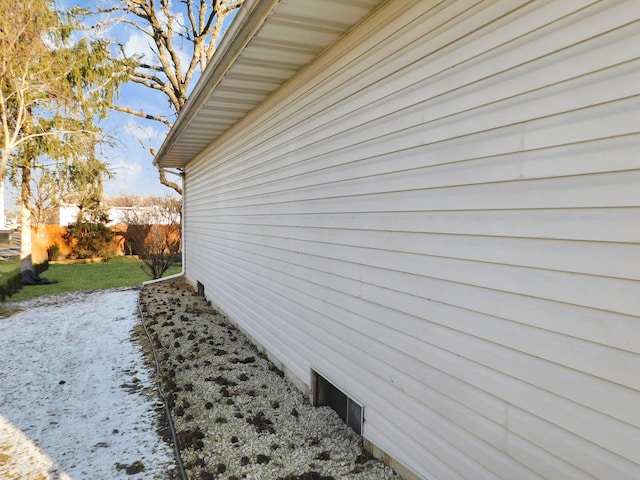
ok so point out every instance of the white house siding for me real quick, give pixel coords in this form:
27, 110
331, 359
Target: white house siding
441, 214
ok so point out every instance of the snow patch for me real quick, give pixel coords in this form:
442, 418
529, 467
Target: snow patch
72, 390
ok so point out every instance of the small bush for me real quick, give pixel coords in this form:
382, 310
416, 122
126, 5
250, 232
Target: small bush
89, 240
155, 234
53, 251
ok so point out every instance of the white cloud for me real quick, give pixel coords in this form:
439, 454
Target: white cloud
133, 178
147, 135
127, 176
127, 172
131, 161
140, 45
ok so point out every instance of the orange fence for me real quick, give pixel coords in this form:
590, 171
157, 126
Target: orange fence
42, 237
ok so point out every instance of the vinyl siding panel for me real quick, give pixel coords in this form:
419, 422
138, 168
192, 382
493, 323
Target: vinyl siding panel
441, 214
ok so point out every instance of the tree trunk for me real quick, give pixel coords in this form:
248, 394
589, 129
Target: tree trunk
26, 262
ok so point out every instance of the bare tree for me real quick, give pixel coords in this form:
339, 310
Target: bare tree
183, 39
45, 197
124, 200
155, 232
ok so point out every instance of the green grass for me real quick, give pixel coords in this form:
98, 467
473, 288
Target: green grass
118, 272
9, 266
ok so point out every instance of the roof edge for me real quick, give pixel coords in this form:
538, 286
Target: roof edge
247, 23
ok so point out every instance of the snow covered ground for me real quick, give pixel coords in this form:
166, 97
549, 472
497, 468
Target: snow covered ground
74, 391
77, 402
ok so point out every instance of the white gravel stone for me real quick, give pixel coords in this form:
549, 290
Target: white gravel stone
241, 403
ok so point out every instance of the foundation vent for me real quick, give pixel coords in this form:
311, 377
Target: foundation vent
326, 393
200, 288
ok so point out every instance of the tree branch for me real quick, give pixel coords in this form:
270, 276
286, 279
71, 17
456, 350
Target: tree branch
168, 183
155, 68
159, 86
141, 114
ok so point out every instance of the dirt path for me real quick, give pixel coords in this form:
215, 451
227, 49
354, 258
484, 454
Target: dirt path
72, 391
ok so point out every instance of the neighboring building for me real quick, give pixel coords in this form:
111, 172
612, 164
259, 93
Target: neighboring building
66, 214
435, 206
63, 216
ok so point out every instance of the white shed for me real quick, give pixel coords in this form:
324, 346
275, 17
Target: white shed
434, 208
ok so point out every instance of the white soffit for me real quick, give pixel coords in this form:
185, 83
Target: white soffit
268, 43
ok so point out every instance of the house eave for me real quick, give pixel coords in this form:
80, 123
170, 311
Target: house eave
248, 20
268, 42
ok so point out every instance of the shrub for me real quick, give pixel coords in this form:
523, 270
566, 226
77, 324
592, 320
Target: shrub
53, 251
154, 232
158, 246
88, 239
11, 285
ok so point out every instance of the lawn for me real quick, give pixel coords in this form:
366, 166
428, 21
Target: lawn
118, 272
8, 266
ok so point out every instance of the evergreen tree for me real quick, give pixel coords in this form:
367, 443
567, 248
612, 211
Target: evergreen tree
53, 91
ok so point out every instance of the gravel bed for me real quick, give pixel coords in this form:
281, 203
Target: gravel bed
236, 415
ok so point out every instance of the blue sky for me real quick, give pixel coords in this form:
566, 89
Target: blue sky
129, 161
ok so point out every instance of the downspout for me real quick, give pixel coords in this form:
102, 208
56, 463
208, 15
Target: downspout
182, 232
